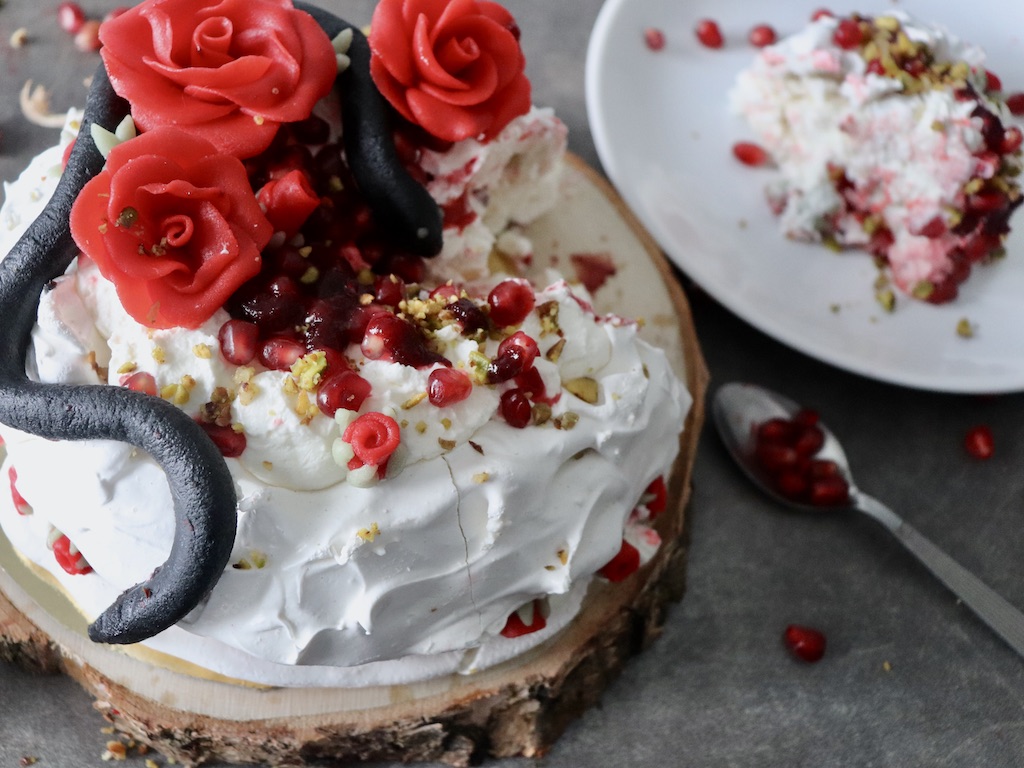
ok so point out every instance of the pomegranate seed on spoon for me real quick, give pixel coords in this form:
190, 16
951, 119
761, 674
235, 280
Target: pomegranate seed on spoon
750, 154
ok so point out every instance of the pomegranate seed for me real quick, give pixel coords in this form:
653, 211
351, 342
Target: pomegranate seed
1015, 103
992, 82
792, 484
848, 34
762, 35
87, 39
656, 496
935, 228
70, 17
809, 441
389, 290
511, 301
532, 384
470, 317
447, 386
654, 38
750, 154
828, 492
374, 437
775, 431
806, 417
978, 442
1012, 140
230, 443
822, 13
21, 506
805, 643
709, 34
516, 627
775, 458
280, 354
876, 67
346, 390
390, 335
515, 408
238, 340
141, 382
515, 355
69, 558
986, 201
819, 468
623, 565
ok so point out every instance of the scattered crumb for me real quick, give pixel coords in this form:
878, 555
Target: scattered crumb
115, 750
834, 308
35, 106
27, 759
742, 223
19, 38
887, 666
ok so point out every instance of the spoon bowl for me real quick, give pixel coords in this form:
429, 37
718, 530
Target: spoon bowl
739, 408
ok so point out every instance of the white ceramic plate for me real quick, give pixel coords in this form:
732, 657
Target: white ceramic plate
664, 133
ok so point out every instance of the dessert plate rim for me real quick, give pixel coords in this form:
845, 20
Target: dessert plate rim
663, 132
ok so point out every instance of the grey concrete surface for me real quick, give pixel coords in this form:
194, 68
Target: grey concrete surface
911, 678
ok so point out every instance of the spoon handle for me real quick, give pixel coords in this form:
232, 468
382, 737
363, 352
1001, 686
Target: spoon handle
1006, 620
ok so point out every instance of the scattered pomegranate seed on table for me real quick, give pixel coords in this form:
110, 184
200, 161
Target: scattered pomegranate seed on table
762, 35
70, 17
750, 154
979, 443
654, 38
87, 38
786, 448
709, 33
805, 642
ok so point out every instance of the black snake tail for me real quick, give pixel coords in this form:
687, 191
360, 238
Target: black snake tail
200, 483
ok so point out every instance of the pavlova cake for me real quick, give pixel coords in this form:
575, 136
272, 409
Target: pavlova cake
285, 399
890, 136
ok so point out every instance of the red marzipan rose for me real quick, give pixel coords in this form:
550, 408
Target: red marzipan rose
230, 70
454, 67
174, 224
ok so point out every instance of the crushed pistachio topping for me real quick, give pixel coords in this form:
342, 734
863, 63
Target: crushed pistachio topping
128, 367
446, 423
218, 409
566, 421
448, 445
481, 477
369, 534
555, 352
585, 388
548, 314
563, 556
256, 559
247, 389
413, 401
202, 351
541, 413
179, 393
307, 370
965, 328
305, 407
159, 354
100, 370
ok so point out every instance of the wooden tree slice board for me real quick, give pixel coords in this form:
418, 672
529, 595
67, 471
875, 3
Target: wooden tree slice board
516, 708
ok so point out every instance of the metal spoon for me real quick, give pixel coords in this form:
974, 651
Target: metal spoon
737, 408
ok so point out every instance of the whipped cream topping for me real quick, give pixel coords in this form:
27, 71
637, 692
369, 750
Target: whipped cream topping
817, 108
335, 584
